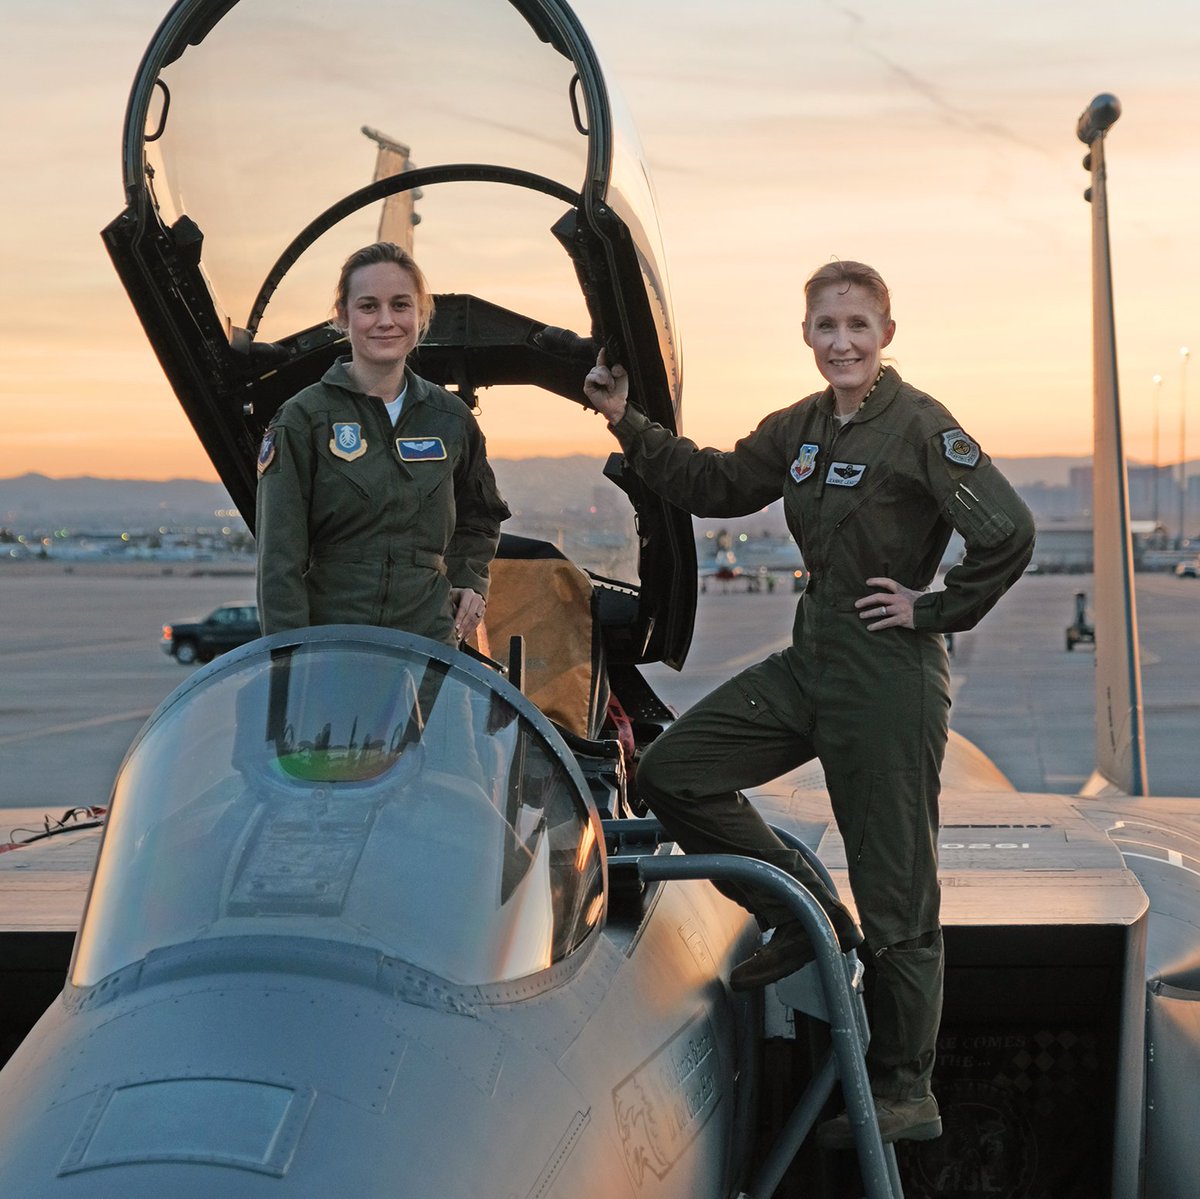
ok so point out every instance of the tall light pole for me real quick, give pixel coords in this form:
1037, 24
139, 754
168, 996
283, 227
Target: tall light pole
1157, 381
1186, 354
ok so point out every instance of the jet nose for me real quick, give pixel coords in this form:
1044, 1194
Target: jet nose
252, 1087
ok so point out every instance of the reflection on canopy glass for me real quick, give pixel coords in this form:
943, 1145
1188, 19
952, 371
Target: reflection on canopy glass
352, 791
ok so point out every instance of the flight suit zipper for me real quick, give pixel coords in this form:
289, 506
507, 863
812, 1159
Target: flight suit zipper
866, 494
824, 472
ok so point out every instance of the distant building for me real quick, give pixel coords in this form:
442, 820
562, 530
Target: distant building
1153, 495
1064, 547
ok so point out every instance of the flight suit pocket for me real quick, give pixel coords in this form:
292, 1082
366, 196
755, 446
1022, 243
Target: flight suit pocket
337, 477
866, 492
755, 705
976, 520
430, 476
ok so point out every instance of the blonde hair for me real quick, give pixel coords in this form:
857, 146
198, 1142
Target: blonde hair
844, 275
372, 255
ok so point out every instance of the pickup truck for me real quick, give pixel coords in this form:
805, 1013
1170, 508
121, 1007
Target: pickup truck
224, 628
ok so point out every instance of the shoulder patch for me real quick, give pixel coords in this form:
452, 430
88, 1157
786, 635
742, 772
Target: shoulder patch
960, 448
266, 451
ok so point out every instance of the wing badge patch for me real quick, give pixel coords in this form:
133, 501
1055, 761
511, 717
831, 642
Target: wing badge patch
846, 474
420, 449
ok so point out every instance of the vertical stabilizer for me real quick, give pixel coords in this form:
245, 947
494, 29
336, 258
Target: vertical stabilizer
397, 219
1120, 731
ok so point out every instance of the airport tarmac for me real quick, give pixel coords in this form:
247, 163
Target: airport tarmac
81, 670
1018, 694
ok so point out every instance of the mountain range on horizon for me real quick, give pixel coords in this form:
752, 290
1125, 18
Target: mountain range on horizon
85, 503
36, 502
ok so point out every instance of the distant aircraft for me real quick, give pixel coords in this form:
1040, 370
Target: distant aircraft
724, 566
763, 563
365, 919
724, 569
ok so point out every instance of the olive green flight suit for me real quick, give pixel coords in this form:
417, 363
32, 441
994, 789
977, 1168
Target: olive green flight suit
878, 496
362, 523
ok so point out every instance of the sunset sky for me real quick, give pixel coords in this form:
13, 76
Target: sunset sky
931, 138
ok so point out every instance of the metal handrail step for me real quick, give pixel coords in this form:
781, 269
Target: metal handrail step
829, 989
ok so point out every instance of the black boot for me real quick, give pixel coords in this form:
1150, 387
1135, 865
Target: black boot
789, 949
906, 1013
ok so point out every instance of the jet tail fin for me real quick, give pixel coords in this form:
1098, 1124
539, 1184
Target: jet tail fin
1120, 729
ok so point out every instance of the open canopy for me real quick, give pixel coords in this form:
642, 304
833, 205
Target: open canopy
266, 140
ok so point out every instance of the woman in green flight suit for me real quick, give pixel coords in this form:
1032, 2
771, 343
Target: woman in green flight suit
376, 503
875, 476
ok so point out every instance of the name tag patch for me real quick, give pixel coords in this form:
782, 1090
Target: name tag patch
960, 448
846, 474
806, 462
420, 449
347, 441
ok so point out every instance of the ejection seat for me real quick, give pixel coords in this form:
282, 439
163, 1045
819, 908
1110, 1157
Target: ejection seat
540, 595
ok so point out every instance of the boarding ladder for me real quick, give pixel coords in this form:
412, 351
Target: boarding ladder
828, 989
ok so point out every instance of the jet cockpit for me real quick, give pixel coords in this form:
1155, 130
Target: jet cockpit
260, 149
363, 787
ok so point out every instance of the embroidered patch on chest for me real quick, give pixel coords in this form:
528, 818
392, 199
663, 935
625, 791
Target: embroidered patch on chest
266, 451
805, 463
960, 448
347, 441
846, 474
420, 449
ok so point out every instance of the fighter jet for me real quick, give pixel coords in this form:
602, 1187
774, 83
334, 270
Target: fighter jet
353, 843
372, 916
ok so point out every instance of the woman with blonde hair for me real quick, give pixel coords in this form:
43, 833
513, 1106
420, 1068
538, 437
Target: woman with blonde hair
875, 476
376, 503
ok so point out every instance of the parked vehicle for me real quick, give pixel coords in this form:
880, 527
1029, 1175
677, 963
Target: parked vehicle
223, 629
1188, 570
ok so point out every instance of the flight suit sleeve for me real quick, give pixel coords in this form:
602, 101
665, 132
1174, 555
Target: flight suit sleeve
479, 510
281, 528
706, 482
994, 523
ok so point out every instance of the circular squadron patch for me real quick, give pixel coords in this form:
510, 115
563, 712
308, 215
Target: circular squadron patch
960, 448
